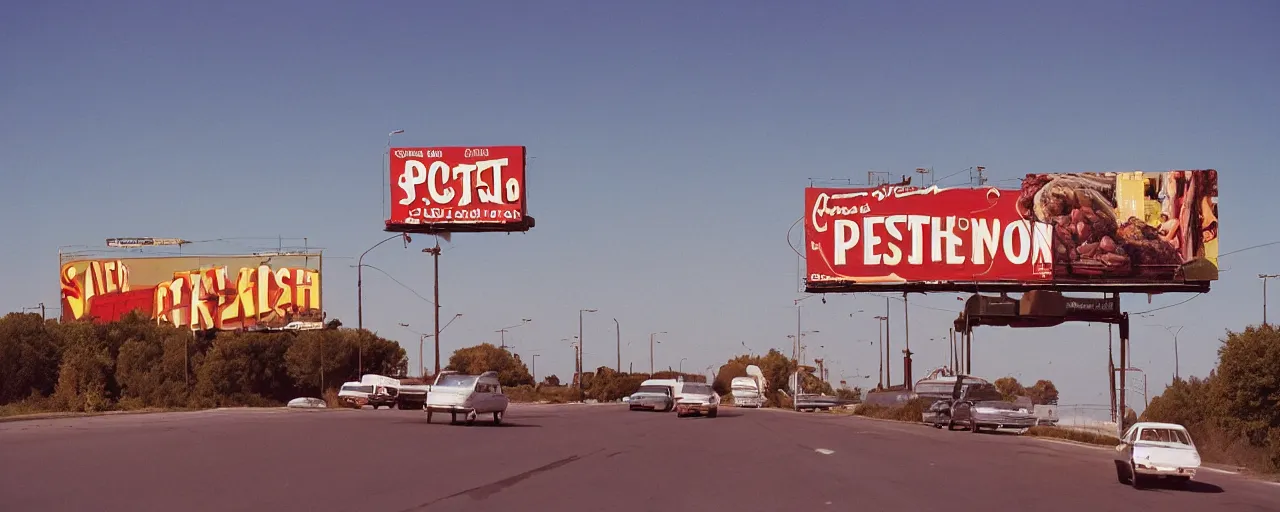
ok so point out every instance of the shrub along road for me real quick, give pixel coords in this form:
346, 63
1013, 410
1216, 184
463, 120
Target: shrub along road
562, 457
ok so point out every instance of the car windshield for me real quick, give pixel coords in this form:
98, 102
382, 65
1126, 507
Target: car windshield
983, 392
696, 389
653, 389
1165, 435
457, 381
358, 388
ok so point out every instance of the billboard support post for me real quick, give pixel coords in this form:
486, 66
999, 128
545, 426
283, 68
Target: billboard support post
906, 354
435, 299
888, 365
1124, 363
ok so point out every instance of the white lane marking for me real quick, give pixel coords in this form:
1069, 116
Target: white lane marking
824, 451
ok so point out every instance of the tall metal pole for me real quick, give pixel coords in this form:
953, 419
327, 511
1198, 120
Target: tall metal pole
906, 355
651, 354
880, 323
618, 330
535, 369
435, 257
580, 347
888, 367
1111, 373
1124, 363
1264, 278
360, 296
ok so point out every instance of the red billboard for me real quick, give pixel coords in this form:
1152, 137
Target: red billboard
458, 189
904, 234
1104, 232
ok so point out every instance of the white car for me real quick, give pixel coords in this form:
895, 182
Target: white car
1156, 450
470, 395
697, 398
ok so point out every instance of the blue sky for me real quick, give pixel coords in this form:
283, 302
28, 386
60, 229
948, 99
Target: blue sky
671, 147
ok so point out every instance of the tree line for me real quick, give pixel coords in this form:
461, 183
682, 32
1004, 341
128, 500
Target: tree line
1233, 414
138, 363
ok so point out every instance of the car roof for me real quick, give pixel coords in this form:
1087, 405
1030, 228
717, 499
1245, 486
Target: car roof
1156, 424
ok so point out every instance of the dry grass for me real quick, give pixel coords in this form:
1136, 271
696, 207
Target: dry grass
1078, 436
911, 411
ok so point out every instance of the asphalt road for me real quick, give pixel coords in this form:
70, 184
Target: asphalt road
563, 458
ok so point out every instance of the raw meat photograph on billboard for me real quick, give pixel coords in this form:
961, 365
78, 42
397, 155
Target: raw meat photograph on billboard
1143, 226
458, 189
1119, 230
199, 292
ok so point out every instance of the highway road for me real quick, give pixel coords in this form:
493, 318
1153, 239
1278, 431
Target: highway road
563, 457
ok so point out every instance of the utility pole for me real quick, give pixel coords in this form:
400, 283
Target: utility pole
435, 256
906, 354
618, 329
1264, 278
535, 370
581, 348
881, 320
888, 367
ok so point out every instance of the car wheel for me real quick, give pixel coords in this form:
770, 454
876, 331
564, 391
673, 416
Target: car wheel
428, 416
1122, 473
712, 413
497, 418
375, 407
1134, 478
973, 426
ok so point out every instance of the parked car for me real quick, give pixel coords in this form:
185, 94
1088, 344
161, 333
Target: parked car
651, 398
980, 405
1156, 450
695, 399
470, 395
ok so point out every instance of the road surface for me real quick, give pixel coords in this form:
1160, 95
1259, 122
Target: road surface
563, 457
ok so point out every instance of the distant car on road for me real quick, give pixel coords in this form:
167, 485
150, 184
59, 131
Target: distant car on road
1156, 450
697, 398
651, 398
977, 404
359, 394
470, 395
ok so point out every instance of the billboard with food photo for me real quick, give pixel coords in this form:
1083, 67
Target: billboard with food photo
1104, 232
458, 189
262, 291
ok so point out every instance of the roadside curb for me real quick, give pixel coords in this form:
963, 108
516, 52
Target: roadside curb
66, 415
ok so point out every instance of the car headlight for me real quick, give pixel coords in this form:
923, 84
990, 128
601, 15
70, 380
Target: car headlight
1023, 410
984, 410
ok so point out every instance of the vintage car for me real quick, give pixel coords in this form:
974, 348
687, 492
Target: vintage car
360, 394
977, 404
1156, 450
696, 399
469, 395
651, 398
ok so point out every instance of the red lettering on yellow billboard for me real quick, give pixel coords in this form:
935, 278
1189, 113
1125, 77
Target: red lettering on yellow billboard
204, 298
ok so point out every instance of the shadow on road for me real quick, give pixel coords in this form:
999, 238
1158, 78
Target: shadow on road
1192, 486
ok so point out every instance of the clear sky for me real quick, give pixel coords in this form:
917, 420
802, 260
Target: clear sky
671, 144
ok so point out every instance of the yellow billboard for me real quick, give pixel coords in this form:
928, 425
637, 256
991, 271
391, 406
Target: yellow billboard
268, 291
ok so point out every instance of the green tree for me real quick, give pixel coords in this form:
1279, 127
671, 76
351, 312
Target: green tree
487, 357
30, 352
1043, 392
1010, 388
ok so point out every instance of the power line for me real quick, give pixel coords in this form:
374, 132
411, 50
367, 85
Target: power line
402, 285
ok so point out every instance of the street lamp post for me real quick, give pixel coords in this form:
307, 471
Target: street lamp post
422, 342
581, 348
618, 329
1264, 278
535, 369
360, 293
682, 365
881, 321
651, 335
1176, 373
503, 331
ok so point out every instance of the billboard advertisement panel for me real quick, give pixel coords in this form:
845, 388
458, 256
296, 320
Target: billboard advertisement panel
199, 292
458, 189
1097, 231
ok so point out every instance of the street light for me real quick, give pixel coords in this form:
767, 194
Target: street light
651, 342
360, 276
1173, 332
882, 321
422, 342
1264, 278
503, 331
682, 365
534, 371
581, 348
